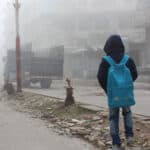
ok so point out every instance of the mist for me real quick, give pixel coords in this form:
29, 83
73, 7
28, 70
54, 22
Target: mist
37, 18
75, 24
2, 40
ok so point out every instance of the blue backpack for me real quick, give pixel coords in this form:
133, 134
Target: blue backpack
119, 84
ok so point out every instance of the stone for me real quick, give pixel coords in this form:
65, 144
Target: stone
101, 144
66, 124
138, 129
123, 139
79, 131
107, 128
83, 132
87, 125
123, 146
86, 137
60, 132
104, 114
142, 136
109, 143
91, 138
51, 126
145, 144
75, 121
86, 117
78, 121
81, 122
101, 121
49, 108
96, 118
97, 128
67, 131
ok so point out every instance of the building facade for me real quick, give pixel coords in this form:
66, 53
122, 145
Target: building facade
76, 23
82, 23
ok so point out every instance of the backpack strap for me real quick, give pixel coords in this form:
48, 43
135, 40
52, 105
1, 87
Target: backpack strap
109, 60
112, 62
124, 59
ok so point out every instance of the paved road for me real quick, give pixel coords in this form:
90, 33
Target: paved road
91, 95
20, 132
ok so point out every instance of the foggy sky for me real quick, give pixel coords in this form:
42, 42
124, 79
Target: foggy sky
32, 8
2, 17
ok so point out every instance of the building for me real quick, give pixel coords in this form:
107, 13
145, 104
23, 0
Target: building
75, 23
82, 64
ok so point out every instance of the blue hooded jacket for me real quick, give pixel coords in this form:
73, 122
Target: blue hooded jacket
114, 47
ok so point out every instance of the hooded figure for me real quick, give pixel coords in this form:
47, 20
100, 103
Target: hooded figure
114, 47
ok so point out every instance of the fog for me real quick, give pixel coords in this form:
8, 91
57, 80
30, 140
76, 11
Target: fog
74, 23
39, 18
2, 40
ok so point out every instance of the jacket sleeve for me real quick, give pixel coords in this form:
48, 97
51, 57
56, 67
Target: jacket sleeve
132, 67
102, 74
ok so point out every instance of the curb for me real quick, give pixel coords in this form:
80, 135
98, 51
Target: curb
144, 119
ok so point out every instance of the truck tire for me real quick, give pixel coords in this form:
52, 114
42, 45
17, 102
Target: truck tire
45, 84
10, 89
26, 84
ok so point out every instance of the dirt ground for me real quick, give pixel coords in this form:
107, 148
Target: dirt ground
92, 126
19, 131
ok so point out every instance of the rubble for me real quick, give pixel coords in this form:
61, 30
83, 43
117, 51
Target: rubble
96, 118
101, 144
76, 121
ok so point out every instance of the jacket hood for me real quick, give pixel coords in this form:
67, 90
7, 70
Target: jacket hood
114, 47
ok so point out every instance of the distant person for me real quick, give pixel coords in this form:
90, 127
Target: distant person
116, 75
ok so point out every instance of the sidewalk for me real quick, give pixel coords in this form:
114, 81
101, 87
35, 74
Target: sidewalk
92, 97
21, 132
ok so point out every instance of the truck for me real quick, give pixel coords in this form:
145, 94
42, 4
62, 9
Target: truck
37, 66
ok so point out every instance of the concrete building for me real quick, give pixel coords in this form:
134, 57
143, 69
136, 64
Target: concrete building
81, 23
141, 50
82, 64
78, 24
75, 23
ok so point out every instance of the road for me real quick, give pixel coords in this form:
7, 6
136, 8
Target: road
91, 95
19, 131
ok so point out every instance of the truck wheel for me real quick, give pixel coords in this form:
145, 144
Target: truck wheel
26, 84
44, 84
10, 89
49, 83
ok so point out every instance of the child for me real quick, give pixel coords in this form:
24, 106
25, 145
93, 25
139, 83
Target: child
115, 50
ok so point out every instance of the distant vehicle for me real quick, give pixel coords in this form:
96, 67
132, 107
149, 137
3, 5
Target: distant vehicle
42, 66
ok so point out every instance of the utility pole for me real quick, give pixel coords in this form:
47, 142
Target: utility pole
18, 53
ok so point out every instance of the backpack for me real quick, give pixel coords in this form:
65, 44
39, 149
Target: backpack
119, 84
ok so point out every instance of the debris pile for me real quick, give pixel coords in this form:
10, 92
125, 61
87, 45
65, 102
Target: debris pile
80, 122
